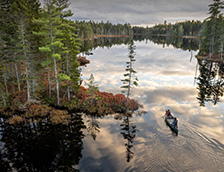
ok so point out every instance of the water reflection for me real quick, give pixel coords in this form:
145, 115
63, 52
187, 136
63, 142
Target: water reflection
42, 147
93, 126
128, 130
166, 80
88, 45
177, 42
210, 81
190, 44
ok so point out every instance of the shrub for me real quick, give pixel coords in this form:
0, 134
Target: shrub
59, 116
15, 120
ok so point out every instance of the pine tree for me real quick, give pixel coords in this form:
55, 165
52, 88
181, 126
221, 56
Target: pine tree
23, 11
212, 32
8, 37
131, 79
59, 43
50, 22
71, 48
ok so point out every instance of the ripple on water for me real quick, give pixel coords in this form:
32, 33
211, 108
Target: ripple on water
191, 150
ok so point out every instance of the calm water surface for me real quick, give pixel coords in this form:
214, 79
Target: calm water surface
166, 81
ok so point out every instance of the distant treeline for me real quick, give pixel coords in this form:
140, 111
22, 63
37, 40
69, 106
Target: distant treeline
187, 28
91, 28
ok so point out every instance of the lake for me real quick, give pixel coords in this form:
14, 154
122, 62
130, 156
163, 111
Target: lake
167, 80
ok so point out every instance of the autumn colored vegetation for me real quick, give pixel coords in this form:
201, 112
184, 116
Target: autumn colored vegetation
100, 103
82, 61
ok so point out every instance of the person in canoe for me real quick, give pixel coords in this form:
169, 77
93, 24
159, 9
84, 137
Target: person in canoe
175, 123
168, 114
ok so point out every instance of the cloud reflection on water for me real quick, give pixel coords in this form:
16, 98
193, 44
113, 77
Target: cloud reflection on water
101, 154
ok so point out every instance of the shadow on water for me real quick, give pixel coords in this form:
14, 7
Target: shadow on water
42, 146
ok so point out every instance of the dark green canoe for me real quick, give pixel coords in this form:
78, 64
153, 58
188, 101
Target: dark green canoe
169, 122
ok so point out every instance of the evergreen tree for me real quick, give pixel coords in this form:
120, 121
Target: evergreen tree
59, 44
16, 34
71, 48
212, 32
51, 22
8, 37
130, 78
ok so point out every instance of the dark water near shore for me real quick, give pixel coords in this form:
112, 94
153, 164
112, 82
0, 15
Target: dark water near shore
138, 143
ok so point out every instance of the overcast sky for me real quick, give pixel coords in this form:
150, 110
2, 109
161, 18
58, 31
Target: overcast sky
140, 12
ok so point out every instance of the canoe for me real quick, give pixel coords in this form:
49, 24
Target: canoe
169, 122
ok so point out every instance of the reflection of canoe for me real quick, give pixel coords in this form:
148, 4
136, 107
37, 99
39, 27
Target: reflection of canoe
169, 122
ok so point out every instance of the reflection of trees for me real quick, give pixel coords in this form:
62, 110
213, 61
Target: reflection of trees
88, 45
93, 127
44, 147
210, 81
128, 130
176, 42
182, 43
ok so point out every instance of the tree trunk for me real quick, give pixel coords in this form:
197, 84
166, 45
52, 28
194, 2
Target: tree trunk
19, 69
67, 70
56, 80
22, 32
5, 78
3, 98
10, 70
27, 81
129, 84
33, 86
54, 59
49, 80
11, 76
17, 76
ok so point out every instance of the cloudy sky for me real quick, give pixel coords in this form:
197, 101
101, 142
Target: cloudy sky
140, 12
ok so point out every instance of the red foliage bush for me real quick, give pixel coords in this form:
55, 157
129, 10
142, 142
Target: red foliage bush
82, 61
18, 98
15, 120
97, 103
37, 111
82, 93
59, 116
107, 103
